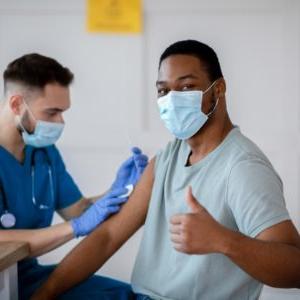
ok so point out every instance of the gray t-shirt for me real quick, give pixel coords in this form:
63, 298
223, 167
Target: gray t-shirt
238, 186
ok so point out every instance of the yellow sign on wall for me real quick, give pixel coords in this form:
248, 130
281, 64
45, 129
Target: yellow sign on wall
114, 16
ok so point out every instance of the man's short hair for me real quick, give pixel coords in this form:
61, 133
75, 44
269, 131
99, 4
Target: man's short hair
35, 71
203, 52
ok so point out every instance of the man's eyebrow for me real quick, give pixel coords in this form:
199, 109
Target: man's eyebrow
160, 82
188, 76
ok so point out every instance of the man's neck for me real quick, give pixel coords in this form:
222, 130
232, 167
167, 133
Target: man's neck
209, 138
10, 138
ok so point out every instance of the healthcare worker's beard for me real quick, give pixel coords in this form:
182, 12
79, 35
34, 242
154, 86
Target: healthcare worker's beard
25, 123
43, 134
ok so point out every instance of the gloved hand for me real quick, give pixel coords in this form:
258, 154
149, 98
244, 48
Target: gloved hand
99, 212
131, 170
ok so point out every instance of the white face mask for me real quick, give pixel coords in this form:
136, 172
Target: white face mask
45, 133
181, 112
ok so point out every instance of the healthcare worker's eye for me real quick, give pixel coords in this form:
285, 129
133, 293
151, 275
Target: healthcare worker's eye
51, 114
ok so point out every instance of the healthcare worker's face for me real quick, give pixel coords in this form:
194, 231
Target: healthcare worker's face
184, 73
47, 106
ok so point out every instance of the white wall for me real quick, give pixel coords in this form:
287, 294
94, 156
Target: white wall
114, 95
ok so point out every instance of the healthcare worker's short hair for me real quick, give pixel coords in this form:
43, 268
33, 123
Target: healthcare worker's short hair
36, 71
203, 52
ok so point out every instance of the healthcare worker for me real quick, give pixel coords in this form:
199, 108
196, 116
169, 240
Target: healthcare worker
34, 182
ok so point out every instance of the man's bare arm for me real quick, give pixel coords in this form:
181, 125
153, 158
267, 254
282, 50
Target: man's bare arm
273, 257
100, 245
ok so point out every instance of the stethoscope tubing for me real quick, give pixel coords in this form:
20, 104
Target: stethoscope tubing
8, 219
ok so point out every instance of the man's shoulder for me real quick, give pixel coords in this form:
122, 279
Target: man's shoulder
169, 149
243, 148
164, 155
247, 158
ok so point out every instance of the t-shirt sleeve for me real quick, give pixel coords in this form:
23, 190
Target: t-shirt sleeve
255, 197
163, 155
67, 191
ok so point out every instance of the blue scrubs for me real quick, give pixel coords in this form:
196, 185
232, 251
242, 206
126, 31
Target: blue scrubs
51, 193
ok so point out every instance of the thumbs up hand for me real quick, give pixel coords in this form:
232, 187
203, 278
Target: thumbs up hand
192, 202
196, 232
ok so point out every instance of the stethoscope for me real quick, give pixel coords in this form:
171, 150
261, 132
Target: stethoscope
7, 219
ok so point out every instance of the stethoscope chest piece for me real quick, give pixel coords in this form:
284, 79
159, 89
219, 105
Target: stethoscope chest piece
8, 220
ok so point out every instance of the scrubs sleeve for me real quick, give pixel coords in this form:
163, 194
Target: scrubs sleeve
255, 197
67, 190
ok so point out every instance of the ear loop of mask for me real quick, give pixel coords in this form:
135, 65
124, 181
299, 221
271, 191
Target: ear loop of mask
210, 87
22, 128
214, 108
217, 102
30, 112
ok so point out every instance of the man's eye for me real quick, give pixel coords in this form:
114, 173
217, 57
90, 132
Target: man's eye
188, 87
162, 92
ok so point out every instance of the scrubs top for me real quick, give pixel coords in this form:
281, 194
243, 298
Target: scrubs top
54, 193
19, 186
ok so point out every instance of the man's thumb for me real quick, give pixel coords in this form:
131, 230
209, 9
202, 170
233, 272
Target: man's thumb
192, 202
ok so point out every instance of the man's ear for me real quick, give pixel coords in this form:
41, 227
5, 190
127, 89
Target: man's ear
220, 89
15, 103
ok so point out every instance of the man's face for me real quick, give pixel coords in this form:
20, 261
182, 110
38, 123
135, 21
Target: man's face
184, 73
47, 106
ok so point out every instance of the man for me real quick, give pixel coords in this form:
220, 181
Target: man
221, 239
34, 180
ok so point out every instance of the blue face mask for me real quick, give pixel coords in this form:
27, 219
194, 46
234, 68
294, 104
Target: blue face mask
181, 112
45, 133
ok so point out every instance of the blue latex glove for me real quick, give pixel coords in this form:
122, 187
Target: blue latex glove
98, 212
131, 170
